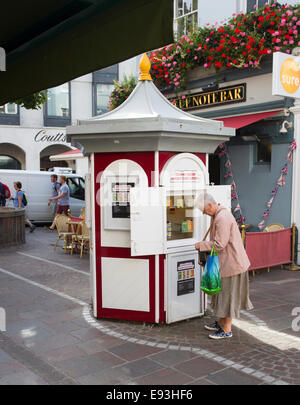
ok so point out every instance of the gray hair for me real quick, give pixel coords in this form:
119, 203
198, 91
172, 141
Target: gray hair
203, 199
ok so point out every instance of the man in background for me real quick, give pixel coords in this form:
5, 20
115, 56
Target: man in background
63, 199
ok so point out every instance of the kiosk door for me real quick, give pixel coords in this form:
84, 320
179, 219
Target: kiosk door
184, 297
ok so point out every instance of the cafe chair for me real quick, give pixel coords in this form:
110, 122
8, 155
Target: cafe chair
62, 226
82, 239
273, 227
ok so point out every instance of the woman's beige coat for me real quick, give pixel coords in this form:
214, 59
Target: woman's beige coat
226, 237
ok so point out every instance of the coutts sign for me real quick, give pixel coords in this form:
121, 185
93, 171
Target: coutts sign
42, 136
226, 95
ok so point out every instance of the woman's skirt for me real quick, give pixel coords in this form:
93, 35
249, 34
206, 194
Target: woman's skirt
233, 297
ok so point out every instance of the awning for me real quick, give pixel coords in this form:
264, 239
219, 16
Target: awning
244, 120
68, 155
48, 42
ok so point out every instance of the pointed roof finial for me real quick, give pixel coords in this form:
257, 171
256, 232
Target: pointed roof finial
145, 66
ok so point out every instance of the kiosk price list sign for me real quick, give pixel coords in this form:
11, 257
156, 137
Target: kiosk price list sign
185, 277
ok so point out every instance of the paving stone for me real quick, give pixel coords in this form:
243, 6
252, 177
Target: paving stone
22, 378
132, 351
171, 357
83, 365
166, 376
199, 367
139, 368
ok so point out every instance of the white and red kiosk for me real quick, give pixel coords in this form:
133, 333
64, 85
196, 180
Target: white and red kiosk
148, 162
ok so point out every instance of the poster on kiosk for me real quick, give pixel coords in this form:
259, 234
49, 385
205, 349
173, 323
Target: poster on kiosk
164, 220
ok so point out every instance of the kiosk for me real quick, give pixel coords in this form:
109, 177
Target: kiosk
148, 163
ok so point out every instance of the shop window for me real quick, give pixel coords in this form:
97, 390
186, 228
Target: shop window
9, 163
263, 150
57, 108
103, 91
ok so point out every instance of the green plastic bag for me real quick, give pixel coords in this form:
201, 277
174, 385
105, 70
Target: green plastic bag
211, 278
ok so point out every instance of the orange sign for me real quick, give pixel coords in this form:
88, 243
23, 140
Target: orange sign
290, 75
286, 75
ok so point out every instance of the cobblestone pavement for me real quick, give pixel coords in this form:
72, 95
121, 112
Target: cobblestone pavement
51, 338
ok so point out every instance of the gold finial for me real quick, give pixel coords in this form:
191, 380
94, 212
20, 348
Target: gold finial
145, 66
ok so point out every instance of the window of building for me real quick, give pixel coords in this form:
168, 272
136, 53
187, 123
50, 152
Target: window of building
9, 108
103, 91
9, 114
251, 5
263, 150
8, 162
103, 85
186, 16
58, 101
57, 108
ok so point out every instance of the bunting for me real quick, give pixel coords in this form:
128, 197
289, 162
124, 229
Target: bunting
280, 183
237, 212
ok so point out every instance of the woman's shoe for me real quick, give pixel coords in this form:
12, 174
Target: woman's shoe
212, 326
220, 334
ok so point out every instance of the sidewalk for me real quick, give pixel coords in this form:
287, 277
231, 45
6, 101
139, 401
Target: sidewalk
51, 337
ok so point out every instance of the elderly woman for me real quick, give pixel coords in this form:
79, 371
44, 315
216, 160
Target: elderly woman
234, 263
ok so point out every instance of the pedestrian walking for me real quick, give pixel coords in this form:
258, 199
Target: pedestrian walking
63, 199
19, 202
234, 263
55, 190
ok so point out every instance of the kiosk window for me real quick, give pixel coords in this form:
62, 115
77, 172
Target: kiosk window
121, 200
180, 217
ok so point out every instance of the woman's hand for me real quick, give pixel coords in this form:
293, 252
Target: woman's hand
197, 245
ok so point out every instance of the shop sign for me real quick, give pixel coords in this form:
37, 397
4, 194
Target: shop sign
286, 75
43, 136
225, 95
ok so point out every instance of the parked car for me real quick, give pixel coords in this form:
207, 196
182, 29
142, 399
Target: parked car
37, 188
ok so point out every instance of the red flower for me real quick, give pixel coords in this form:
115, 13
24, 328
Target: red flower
218, 64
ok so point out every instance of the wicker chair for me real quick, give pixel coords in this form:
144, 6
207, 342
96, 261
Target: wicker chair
82, 213
82, 238
62, 226
273, 227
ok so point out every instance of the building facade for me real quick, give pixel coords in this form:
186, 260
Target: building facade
28, 138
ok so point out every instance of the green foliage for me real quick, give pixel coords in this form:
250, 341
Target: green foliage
121, 91
34, 101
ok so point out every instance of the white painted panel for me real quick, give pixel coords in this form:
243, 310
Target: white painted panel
125, 284
148, 221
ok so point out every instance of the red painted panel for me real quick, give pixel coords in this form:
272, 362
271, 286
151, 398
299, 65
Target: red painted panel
101, 161
165, 156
